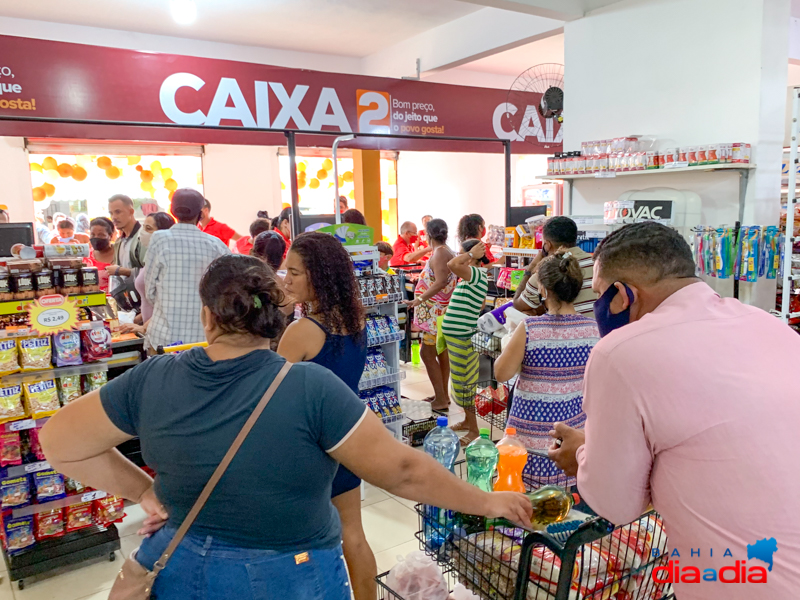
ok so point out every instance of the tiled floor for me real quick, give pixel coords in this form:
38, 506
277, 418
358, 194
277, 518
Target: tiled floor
390, 524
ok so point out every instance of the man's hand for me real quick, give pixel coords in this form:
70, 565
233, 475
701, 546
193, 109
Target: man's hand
564, 454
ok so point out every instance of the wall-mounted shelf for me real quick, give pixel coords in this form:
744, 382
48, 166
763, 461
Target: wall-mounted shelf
664, 171
520, 252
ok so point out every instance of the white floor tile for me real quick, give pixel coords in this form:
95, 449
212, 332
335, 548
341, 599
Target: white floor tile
388, 558
417, 391
388, 524
409, 504
372, 495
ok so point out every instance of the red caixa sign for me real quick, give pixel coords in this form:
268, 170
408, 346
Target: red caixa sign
119, 89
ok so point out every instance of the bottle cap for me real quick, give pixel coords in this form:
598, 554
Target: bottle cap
511, 431
484, 432
441, 421
576, 498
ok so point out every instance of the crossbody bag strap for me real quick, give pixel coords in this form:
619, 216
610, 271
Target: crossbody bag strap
220, 471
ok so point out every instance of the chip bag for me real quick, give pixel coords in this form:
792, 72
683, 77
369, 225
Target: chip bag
96, 343
36, 446
41, 398
19, 534
49, 524
10, 449
67, 349
49, 485
69, 388
34, 353
94, 381
110, 509
11, 406
79, 516
9, 363
16, 491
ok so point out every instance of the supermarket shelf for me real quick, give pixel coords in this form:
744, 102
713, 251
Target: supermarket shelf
27, 332
14, 307
614, 174
367, 383
55, 504
45, 374
123, 359
19, 470
379, 340
520, 251
23, 424
382, 299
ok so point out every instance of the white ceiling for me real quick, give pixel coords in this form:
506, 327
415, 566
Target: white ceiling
344, 27
513, 62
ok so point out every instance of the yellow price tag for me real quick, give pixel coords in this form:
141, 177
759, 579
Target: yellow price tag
52, 314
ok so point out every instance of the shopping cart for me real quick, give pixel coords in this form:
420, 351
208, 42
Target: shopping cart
584, 557
491, 405
180, 348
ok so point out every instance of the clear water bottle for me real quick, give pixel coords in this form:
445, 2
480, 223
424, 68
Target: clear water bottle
482, 457
443, 444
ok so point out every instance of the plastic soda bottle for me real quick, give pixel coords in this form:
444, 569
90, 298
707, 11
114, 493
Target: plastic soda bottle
551, 504
441, 443
482, 456
513, 457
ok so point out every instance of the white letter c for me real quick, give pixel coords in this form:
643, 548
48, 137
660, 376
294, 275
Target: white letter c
167, 93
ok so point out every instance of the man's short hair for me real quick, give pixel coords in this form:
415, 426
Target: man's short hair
66, 224
644, 253
121, 198
385, 248
407, 226
259, 226
561, 231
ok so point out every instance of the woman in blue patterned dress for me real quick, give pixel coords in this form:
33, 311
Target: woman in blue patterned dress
551, 351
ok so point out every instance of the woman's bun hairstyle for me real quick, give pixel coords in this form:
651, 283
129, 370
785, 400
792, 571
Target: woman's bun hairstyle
561, 274
241, 293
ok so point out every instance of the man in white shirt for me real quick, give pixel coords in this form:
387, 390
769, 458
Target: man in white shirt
176, 260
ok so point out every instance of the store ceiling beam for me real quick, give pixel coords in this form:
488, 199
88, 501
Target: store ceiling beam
461, 41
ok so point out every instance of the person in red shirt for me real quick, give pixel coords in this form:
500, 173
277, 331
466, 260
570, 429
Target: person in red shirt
405, 248
245, 244
211, 226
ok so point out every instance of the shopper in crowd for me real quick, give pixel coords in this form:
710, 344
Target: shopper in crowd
129, 252
82, 224
43, 232
458, 326
342, 204
386, 252
101, 256
268, 528
432, 295
270, 247
559, 234
405, 247
177, 258
691, 404
473, 227
211, 226
245, 244
352, 215
66, 232
332, 333
551, 351
283, 225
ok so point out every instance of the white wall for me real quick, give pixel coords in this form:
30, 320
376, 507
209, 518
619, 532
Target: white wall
239, 181
15, 191
449, 185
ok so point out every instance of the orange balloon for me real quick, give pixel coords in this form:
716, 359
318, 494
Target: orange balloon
341, 181
49, 163
286, 205
112, 172
64, 170
171, 185
49, 189
301, 183
146, 175
139, 168
322, 174
36, 167
133, 160
78, 173
313, 184
352, 195
327, 164
39, 194
104, 162
171, 194
347, 176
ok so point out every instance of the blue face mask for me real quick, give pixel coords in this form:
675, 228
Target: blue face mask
64, 240
606, 320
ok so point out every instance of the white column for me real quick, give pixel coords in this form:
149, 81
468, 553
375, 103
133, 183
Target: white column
15, 191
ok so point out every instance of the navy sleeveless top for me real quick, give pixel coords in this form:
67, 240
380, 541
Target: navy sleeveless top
345, 355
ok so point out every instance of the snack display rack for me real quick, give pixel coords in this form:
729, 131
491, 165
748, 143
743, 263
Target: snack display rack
790, 257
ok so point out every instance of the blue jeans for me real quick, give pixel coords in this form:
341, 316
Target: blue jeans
205, 568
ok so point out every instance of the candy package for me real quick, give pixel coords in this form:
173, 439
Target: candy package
35, 445
41, 398
49, 524
34, 353
67, 349
19, 534
96, 343
11, 407
10, 449
74, 486
79, 516
49, 485
16, 491
110, 509
8, 357
94, 381
69, 388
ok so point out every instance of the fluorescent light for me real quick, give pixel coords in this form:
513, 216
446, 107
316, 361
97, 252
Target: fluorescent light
183, 11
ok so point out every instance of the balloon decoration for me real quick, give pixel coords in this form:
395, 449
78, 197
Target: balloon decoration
83, 160
39, 194
313, 184
347, 176
36, 167
327, 164
78, 173
51, 175
64, 170
166, 173
49, 163
139, 168
171, 185
283, 186
103, 162
301, 166
37, 178
113, 172
322, 174
341, 181
352, 195
134, 160
147, 186
147, 176
49, 189
155, 167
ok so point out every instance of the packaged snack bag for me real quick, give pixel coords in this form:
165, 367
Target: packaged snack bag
34, 353
19, 534
16, 491
10, 449
8, 357
94, 381
79, 516
67, 349
49, 485
96, 343
73, 486
11, 407
69, 388
35, 445
49, 524
110, 509
41, 398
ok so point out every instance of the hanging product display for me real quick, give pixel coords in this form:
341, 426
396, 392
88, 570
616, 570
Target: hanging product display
751, 253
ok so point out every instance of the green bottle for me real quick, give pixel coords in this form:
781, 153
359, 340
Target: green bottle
482, 457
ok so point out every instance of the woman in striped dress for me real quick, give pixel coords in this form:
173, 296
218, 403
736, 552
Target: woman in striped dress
552, 351
459, 324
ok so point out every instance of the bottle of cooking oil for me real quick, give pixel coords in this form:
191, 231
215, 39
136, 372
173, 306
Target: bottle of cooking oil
551, 504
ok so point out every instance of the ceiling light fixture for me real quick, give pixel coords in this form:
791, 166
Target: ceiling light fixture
183, 11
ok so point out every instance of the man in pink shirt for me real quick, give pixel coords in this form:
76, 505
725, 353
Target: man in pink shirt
693, 404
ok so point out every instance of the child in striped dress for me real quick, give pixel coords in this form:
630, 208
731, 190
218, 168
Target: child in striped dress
459, 324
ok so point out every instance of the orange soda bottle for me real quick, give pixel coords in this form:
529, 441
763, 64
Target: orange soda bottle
513, 457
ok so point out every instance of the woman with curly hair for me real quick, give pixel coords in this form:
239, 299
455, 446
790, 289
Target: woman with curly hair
332, 333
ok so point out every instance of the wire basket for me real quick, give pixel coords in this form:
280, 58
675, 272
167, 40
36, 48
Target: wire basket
491, 405
486, 344
501, 562
387, 593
